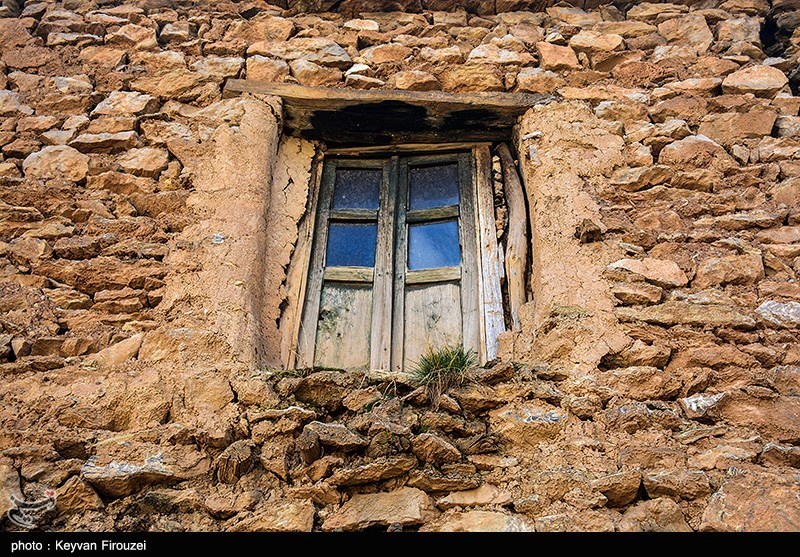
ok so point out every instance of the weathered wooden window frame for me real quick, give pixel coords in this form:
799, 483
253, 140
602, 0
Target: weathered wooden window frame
477, 224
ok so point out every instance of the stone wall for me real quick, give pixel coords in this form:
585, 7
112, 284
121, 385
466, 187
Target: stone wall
147, 227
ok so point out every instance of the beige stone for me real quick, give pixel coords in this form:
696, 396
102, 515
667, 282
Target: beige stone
655, 515
729, 128
676, 484
761, 81
146, 161
696, 151
485, 496
493, 54
660, 272
284, 516
336, 436
689, 30
75, 496
218, 66
373, 471
555, 57
309, 73
385, 54
732, 269
117, 353
262, 68
642, 382
682, 313
594, 41
103, 56
179, 84
429, 447
650, 11
415, 80
780, 235
134, 37
357, 81
527, 424
779, 314
58, 161
324, 52
637, 293
123, 467
10, 104
405, 506
480, 521
620, 488
537, 80
753, 502
471, 77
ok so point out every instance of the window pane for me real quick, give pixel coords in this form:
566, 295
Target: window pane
433, 245
433, 186
357, 188
351, 245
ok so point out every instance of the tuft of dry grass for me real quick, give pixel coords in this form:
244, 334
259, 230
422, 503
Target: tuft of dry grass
443, 368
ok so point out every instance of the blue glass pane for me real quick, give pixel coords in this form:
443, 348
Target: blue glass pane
351, 245
357, 188
433, 186
433, 245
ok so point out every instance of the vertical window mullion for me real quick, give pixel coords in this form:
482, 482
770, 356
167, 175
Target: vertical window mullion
381, 341
400, 254
308, 327
469, 266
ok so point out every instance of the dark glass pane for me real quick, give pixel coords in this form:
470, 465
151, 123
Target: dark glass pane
433, 186
351, 245
433, 245
357, 188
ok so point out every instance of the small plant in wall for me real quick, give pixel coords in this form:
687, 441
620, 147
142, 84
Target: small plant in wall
443, 368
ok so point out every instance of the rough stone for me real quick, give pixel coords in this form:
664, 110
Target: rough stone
753, 502
655, 515
761, 81
146, 161
321, 51
642, 382
374, 471
682, 313
337, 436
480, 521
431, 448
660, 272
262, 68
485, 496
780, 314
688, 30
729, 128
732, 269
104, 142
620, 489
676, 484
404, 506
555, 57
309, 73
10, 104
57, 161
285, 516
126, 102
527, 424
76, 496
119, 469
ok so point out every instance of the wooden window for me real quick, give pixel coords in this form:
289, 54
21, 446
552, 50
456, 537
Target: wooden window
404, 260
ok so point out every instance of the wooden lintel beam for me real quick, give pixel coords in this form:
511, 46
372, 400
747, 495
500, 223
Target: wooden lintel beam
328, 96
341, 116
